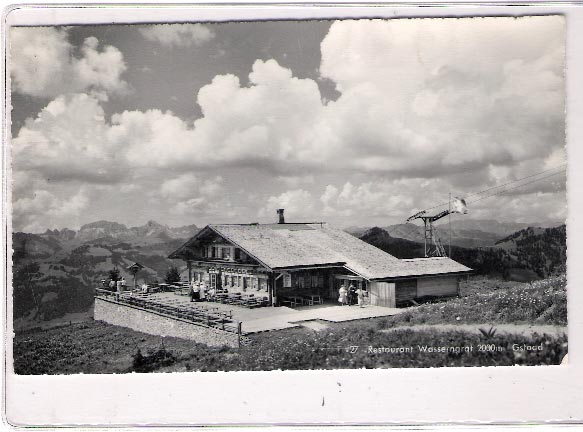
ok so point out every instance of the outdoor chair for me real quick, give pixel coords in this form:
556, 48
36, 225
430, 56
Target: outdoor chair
264, 301
308, 301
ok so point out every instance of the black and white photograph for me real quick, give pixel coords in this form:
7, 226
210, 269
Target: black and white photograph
288, 195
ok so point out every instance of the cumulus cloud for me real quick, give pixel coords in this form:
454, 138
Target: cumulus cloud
419, 114
190, 195
68, 140
180, 187
43, 64
44, 209
410, 106
383, 203
420, 101
415, 102
298, 204
180, 35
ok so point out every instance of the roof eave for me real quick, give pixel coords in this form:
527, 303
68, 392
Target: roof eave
422, 275
311, 266
174, 255
358, 273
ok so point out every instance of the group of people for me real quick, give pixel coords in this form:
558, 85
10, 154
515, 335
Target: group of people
119, 285
199, 291
350, 296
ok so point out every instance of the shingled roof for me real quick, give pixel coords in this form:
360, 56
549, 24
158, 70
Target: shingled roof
283, 246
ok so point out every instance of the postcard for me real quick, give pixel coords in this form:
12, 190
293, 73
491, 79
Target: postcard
359, 194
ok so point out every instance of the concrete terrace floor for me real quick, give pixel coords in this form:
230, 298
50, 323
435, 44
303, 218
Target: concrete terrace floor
278, 318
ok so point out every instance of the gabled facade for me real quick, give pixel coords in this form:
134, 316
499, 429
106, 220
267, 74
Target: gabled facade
289, 259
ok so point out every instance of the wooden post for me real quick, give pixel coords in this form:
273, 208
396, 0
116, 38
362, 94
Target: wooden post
271, 288
189, 266
239, 334
449, 221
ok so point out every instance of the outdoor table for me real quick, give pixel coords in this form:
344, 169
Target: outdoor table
312, 298
292, 300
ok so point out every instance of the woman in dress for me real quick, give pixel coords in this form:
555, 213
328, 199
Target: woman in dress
360, 295
342, 292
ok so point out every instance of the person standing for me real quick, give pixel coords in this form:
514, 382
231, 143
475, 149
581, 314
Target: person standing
202, 292
360, 296
193, 285
119, 286
212, 293
195, 292
112, 285
342, 292
351, 295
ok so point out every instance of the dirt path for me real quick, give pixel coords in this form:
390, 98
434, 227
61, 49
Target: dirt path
524, 329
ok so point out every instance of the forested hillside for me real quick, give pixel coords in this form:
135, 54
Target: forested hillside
55, 273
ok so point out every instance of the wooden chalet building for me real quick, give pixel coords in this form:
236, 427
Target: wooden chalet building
291, 259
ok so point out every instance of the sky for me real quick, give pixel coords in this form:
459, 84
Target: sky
353, 122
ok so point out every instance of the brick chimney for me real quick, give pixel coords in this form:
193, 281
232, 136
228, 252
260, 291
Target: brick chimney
281, 218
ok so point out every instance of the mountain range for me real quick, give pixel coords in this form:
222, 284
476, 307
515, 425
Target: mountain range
151, 232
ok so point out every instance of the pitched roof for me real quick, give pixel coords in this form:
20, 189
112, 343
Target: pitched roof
431, 266
281, 246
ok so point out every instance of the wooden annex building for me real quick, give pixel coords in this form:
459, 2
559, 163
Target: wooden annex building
290, 259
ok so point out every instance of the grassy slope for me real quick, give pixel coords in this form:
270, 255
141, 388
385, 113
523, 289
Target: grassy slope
102, 348
489, 301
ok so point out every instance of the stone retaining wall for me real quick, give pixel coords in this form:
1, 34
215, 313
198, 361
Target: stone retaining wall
151, 323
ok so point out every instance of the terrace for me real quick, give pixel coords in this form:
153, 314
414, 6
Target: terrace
239, 312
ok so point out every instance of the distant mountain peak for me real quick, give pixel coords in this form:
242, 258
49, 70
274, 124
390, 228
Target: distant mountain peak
154, 224
103, 224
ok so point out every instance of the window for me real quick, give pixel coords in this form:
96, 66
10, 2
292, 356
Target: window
237, 253
263, 284
226, 253
213, 252
245, 283
287, 281
204, 252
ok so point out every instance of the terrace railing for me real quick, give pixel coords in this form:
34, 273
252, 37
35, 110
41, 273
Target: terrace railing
198, 315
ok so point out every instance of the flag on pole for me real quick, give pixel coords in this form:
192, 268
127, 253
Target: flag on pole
458, 205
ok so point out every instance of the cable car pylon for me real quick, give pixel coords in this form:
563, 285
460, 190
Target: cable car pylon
432, 243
